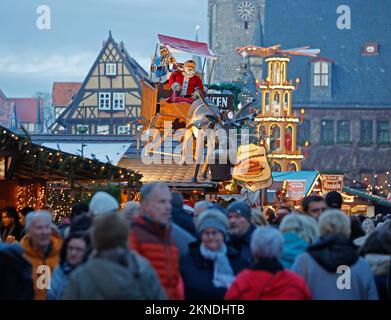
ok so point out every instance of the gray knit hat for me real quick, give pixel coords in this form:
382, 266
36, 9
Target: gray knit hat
212, 219
241, 208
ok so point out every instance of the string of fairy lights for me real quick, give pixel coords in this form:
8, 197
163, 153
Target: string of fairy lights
43, 163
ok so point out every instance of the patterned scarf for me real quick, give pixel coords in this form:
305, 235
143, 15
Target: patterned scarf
223, 274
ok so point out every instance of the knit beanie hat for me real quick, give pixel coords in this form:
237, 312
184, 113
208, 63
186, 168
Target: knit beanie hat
102, 202
212, 219
241, 208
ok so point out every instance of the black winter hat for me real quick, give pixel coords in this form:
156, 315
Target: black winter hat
240, 207
334, 200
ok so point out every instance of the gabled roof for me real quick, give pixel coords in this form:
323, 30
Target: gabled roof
63, 92
135, 69
28, 110
356, 79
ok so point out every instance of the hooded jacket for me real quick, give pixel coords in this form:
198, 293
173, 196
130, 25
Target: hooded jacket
333, 271
37, 258
114, 275
154, 242
268, 280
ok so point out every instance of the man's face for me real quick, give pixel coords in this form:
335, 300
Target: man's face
7, 221
190, 67
238, 225
75, 251
158, 205
316, 208
40, 232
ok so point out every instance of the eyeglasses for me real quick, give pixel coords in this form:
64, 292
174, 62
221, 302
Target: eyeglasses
209, 234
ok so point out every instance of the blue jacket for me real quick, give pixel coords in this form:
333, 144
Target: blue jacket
197, 273
293, 246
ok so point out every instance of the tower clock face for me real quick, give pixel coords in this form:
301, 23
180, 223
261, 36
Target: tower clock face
246, 10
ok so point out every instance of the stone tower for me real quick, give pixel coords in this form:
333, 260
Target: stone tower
232, 24
278, 125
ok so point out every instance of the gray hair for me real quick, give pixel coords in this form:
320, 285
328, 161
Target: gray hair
334, 222
306, 227
130, 209
267, 242
147, 189
32, 216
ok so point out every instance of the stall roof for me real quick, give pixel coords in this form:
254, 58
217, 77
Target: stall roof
309, 176
189, 46
35, 162
371, 197
103, 152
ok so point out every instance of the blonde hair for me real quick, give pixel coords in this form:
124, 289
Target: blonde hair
258, 218
334, 222
305, 226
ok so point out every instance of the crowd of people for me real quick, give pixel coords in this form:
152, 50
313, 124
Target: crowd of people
165, 247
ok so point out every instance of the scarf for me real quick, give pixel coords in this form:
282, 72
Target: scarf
223, 274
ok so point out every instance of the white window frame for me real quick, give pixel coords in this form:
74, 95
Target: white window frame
321, 74
111, 69
82, 126
102, 129
122, 130
118, 101
104, 101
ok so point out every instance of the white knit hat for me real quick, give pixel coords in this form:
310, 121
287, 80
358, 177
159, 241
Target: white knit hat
102, 202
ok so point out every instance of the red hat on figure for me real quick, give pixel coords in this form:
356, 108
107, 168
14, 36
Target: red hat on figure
188, 205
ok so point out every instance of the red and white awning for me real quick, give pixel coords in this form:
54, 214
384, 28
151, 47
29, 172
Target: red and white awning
194, 47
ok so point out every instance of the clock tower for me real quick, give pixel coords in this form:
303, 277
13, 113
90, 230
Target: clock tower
232, 24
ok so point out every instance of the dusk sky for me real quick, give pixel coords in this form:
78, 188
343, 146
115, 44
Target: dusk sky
32, 59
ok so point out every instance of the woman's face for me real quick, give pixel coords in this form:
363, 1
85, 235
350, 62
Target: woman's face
212, 239
75, 251
7, 221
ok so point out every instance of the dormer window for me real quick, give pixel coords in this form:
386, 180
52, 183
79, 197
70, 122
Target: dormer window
321, 74
111, 69
321, 79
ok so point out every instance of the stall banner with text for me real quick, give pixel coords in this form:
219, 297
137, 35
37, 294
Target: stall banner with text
252, 170
331, 182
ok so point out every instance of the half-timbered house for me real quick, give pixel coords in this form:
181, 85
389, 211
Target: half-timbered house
109, 97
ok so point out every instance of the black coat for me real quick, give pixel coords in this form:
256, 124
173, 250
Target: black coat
183, 219
242, 244
197, 273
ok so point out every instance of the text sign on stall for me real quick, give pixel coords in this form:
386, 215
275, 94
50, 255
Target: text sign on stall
223, 101
295, 189
331, 182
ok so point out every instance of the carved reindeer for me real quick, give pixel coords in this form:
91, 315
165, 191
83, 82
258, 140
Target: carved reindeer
204, 114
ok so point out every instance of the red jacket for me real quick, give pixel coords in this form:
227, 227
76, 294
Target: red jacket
194, 82
155, 243
263, 285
